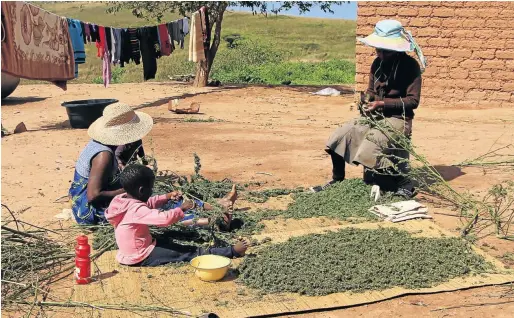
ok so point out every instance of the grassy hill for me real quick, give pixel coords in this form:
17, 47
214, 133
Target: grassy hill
270, 50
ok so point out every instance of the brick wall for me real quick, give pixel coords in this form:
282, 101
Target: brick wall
469, 47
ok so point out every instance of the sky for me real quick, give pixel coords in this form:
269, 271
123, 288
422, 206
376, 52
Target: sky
344, 11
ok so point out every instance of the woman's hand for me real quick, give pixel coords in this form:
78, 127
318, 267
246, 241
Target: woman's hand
374, 106
174, 195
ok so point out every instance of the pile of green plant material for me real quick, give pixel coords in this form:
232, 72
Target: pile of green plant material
358, 260
347, 199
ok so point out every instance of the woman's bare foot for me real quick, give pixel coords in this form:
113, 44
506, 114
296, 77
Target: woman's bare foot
207, 207
240, 247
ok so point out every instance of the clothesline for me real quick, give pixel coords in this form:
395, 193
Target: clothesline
129, 27
116, 45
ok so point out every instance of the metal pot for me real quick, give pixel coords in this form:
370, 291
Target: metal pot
9, 84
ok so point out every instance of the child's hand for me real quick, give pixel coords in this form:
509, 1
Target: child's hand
187, 205
174, 195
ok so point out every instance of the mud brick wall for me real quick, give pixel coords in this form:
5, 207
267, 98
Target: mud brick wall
469, 47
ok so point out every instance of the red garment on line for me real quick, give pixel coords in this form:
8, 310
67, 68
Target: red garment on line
165, 40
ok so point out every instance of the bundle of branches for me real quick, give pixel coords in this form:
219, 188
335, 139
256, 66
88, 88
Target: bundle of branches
493, 158
485, 211
30, 260
358, 260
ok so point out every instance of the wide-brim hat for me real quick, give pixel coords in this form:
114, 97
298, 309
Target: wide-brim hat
388, 35
120, 125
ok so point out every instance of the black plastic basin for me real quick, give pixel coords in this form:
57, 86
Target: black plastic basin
82, 113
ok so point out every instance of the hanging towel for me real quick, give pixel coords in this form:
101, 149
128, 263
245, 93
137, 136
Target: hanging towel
87, 30
76, 37
36, 44
135, 45
164, 40
149, 44
196, 49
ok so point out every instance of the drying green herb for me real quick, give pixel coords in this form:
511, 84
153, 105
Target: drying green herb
347, 199
264, 195
358, 260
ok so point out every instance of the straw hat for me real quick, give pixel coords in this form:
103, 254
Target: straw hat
389, 35
120, 125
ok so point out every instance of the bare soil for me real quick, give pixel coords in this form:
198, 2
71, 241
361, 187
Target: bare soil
278, 131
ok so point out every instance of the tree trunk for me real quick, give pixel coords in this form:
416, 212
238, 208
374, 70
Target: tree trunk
202, 73
203, 68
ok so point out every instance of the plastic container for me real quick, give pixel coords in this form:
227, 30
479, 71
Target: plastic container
82, 113
9, 84
211, 267
82, 261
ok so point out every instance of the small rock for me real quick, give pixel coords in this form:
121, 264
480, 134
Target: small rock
20, 128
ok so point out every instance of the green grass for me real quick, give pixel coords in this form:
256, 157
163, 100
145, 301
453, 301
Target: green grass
272, 50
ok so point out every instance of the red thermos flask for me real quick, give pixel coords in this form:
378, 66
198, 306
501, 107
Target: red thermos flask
82, 261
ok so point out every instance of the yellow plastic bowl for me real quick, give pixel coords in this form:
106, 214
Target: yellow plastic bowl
211, 268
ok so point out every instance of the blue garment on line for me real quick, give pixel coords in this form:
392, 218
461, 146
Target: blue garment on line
77, 43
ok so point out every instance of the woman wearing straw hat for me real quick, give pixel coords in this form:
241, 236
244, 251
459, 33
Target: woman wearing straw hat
394, 92
95, 182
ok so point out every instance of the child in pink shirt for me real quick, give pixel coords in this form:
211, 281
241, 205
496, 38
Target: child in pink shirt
133, 212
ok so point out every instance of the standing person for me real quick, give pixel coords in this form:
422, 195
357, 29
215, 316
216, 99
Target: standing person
96, 181
394, 89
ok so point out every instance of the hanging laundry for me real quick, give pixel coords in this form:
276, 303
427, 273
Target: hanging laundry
108, 39
196, 49
36, 44
113, 45
135, 45
106, 69
76, 37
185, 26
106, 57
83, 29
87, 32
93, 29
100, 43
149, 44
126, 49
164, 40
174, 32
117, 41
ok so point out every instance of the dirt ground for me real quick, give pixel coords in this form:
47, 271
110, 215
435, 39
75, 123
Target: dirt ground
277, 131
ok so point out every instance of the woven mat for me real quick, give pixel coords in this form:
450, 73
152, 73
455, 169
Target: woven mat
180, 289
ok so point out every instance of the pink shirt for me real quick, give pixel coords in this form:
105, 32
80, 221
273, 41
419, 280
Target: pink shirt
131, 219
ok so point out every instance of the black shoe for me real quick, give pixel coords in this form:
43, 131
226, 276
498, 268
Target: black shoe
324, 187
405, 193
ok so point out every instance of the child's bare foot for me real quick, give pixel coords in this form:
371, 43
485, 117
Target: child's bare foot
241, 247
225, 204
